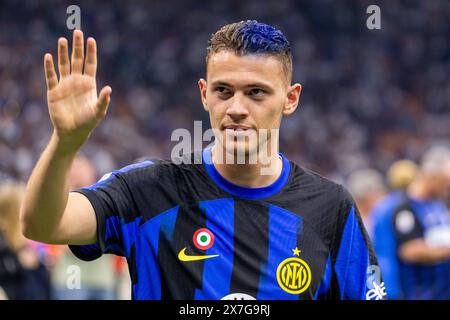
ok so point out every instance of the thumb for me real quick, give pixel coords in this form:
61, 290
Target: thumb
103, 101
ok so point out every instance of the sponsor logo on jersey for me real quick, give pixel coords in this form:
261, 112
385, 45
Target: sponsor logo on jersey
294, 274
182, 256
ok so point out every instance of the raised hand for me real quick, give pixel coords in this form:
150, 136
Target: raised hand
75, 109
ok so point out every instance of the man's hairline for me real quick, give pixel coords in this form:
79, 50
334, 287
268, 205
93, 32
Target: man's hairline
278, 57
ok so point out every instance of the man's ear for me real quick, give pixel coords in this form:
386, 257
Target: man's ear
202, 86
292, 99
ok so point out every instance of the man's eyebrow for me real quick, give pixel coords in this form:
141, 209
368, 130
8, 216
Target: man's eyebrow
250, 85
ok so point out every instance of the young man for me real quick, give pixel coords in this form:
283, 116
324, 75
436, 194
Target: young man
214, 230
412, 238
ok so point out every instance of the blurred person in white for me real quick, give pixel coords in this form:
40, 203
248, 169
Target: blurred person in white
418, 234
22, 274
367, 187
97, 278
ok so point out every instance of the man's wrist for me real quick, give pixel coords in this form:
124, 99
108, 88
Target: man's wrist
66, 146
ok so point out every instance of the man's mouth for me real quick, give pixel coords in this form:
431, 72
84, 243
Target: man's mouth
235, 130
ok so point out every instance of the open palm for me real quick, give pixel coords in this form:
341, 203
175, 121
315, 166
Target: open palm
73, 104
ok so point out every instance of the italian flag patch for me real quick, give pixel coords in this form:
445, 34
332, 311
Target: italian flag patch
203, 239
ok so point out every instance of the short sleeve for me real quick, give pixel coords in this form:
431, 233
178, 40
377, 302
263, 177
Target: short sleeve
114, 204
356, 267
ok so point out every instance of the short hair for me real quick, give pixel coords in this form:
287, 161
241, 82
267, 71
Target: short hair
435, 160
252, 37
401, 173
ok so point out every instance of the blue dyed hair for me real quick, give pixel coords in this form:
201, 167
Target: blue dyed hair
252, 37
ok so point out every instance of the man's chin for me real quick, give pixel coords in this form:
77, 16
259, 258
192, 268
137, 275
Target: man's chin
240, 154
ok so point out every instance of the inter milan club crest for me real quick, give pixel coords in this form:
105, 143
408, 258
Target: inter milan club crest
203, 239
294, 274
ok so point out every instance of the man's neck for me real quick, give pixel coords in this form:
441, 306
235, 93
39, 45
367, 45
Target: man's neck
250, 175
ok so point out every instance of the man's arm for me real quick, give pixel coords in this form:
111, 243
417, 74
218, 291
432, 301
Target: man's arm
356, 273
49, 212
418, 251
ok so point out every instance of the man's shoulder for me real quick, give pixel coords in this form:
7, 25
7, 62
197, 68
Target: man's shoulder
149, 168
311, 183
322, 203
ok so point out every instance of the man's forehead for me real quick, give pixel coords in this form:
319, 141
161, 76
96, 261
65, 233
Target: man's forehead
226, 64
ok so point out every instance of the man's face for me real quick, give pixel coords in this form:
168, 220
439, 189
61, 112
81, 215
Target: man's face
244, 94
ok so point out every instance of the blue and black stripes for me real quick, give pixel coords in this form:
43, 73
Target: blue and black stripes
151, 236
352, 261
297, 233
284, 230
217, 271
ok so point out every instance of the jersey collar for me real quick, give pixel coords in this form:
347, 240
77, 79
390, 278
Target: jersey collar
246, 192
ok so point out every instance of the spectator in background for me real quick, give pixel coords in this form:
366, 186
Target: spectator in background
367, 188
98, 279
413, 240
22, 274
400, 175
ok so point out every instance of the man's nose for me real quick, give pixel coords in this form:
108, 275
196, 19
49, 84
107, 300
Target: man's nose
237, 109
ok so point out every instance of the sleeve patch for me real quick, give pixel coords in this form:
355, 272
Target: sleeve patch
404, 222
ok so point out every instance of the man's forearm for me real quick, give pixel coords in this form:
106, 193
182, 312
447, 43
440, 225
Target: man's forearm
417, 251
47, 191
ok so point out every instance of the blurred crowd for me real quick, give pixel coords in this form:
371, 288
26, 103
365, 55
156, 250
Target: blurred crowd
33, 270
370, 97
406, 214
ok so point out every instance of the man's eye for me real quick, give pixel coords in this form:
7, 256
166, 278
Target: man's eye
222, 90
256, 92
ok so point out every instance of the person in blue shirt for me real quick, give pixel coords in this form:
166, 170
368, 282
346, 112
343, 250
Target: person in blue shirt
412, 239
399, 176
201, 228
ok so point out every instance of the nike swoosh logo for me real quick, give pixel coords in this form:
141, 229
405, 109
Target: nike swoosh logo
184, 257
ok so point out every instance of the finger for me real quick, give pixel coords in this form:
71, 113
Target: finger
63, 58
77, 52
50, 74
90, 67
103, 101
